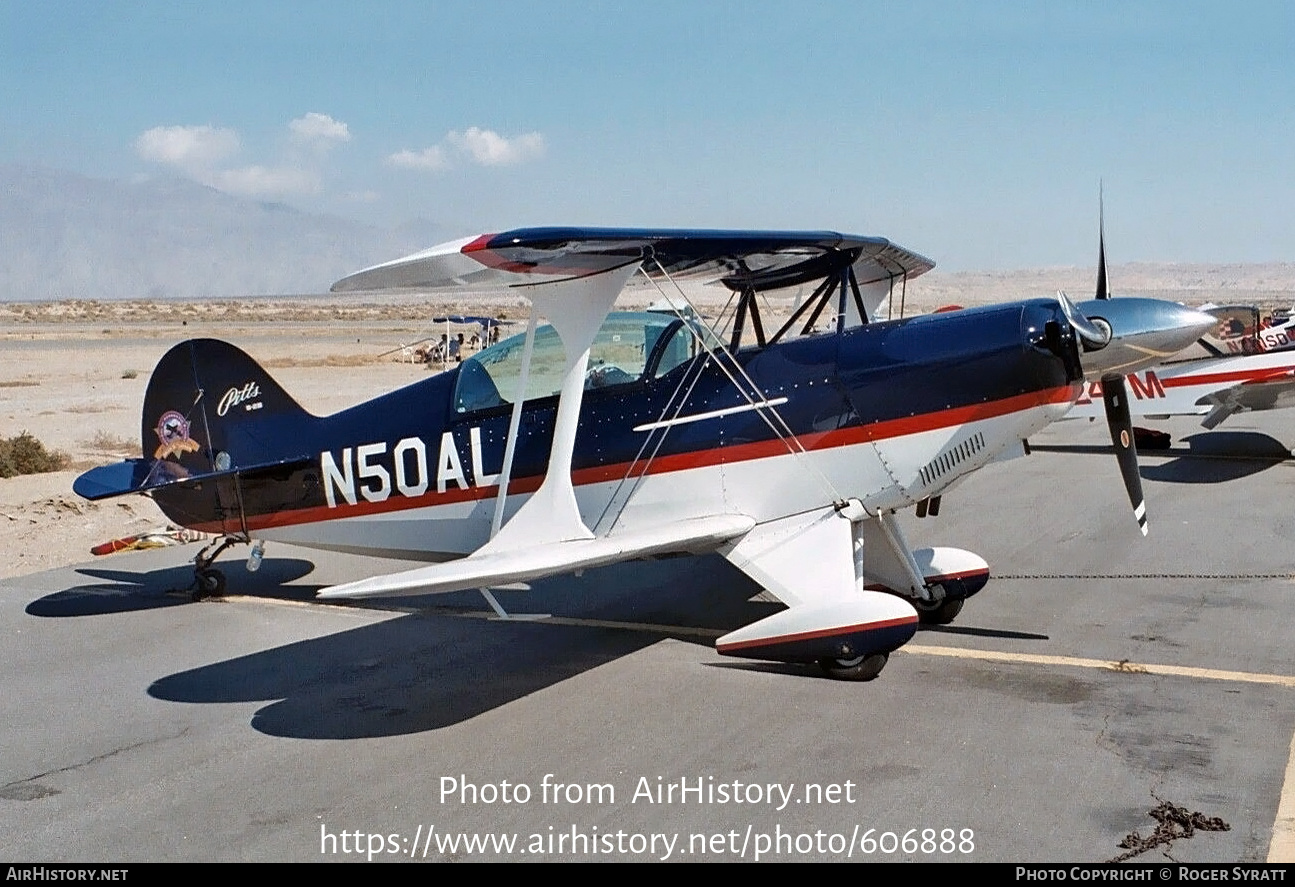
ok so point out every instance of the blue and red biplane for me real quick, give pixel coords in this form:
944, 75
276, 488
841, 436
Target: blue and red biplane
606, 437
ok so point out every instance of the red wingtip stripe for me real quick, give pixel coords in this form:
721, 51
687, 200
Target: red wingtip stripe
819, 633
480, 243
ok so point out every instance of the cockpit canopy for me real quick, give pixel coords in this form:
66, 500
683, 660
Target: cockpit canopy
629, 347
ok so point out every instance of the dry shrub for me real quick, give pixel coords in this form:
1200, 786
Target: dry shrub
332, 360
107, 442
24, 454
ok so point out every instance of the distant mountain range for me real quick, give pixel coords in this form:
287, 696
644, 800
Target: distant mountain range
1266, 283
65, 236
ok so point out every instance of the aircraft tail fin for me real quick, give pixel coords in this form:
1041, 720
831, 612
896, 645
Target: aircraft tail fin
209, 410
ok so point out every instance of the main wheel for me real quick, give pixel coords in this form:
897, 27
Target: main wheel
211, 583
860, 668
940, 613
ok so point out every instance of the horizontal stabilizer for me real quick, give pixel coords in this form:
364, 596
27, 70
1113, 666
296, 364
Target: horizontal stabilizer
143, 475
130, 476
860, 625
524, 564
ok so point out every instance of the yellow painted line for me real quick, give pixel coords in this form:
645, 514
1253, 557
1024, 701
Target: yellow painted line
1124, 667
307, 605
1282, 848
627, 626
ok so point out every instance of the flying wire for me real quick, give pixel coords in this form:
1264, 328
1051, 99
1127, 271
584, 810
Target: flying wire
761, 406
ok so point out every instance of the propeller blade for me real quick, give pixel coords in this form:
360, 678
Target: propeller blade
1102, 291
1116, 401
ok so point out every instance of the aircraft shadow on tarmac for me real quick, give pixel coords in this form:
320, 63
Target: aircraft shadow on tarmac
441, 662
433, 667
130, 591
1210, 457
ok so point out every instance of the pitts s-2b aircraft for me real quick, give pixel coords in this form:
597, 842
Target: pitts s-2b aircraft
611, 437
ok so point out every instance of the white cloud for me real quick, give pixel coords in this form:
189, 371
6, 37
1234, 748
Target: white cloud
203, 152
483, 147
261, 180
432, 158
320, 127
489, 148
188, 147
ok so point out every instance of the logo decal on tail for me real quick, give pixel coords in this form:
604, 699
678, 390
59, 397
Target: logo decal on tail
173, 433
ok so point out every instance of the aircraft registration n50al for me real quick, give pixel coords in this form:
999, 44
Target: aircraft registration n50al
607, 437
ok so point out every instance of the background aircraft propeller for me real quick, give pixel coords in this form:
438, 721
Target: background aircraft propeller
1116, 401
1114, 395
1102, 291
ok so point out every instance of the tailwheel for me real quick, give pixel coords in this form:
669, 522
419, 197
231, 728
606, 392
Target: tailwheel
941, 613
207, 580
210, 583
860, 668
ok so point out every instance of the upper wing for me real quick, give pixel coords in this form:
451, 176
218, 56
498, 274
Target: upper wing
756, 259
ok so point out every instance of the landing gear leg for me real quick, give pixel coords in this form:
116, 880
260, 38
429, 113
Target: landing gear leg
940, 612
207, 580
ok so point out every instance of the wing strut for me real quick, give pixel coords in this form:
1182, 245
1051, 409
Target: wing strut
576, 309
815, 301
747, 304
514, 423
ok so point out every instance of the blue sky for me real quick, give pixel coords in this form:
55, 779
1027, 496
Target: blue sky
975, 133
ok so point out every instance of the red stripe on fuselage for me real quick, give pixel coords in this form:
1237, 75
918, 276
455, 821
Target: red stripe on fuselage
822, 440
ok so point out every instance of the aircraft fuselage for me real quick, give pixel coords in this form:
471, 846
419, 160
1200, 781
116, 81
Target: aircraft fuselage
888, 413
